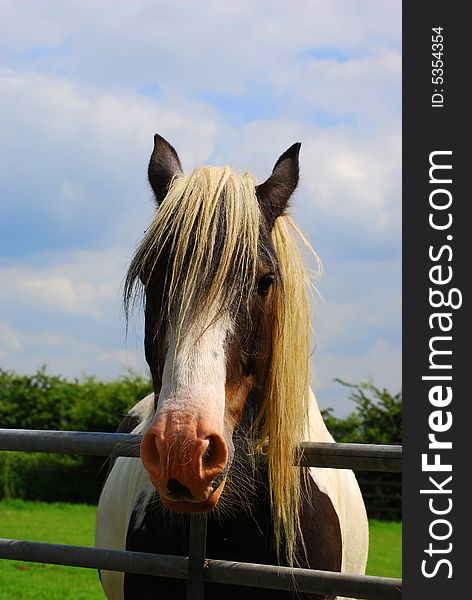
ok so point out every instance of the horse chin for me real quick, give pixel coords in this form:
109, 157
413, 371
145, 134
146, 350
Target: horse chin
194, 507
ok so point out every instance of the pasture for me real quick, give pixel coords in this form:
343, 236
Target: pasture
74, 524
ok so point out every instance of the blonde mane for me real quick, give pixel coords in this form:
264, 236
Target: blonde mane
284, 413
206, 269
206, 265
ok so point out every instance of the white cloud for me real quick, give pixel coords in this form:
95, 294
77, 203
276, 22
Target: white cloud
53, 341
64, 310
191, 46
64, 354
357, 180
80, 283
350, 182
126, 359
69, 142
86, 154
9, 340
60, 293
381, 364
355, 312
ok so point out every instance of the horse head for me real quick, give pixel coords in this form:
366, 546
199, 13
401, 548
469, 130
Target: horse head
210, 275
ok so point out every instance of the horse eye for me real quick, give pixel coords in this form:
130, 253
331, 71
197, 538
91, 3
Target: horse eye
264, 284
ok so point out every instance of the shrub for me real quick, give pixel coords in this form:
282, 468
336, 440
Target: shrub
50, 477
376, 420
43, 401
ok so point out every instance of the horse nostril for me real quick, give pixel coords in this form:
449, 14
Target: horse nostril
178, 490
216, 452
150, 452
210, 449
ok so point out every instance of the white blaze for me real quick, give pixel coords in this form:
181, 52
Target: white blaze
194, 375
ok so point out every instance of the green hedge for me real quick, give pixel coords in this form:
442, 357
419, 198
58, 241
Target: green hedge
44, 401
376, 420
51, 477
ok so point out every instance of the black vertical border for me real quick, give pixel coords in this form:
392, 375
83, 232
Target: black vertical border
427, 129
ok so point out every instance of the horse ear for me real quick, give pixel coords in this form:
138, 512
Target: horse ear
163, 166
274, 194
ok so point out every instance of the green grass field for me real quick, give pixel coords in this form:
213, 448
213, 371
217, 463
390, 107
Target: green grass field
74, 524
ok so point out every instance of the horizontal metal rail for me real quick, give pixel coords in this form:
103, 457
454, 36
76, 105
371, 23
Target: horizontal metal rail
215, 571
70, 442
143, 563
360, 457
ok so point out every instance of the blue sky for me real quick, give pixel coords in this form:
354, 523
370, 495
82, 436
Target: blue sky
85, 85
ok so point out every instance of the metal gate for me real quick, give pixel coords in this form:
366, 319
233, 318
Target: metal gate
195, 568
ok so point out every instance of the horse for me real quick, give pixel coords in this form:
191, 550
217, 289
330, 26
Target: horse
221, 276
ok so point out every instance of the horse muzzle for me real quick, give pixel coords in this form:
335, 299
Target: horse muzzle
190, 506
187, 467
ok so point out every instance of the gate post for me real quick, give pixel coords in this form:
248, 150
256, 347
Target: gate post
196, 556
